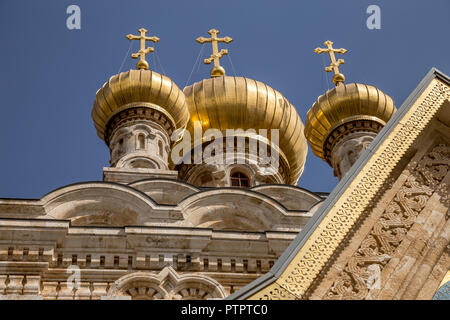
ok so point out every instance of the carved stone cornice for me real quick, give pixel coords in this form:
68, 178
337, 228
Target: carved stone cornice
347, 128
390, 229
129, 115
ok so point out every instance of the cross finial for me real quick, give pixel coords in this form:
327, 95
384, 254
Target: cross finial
217, 70
142, 64
334, 66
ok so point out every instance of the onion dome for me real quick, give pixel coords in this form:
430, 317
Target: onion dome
139, 88
240, 103
224, 102
143, 93
343, 104
344, 109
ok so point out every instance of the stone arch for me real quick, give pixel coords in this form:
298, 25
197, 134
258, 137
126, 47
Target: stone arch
120, 144
197, 287
141, 145
143, 128
119, 134
203, 175
140, 286
232, 209
292, 197
98, 203
160, 148
242, 169
167, 285
165, 191
138, 159
140, 162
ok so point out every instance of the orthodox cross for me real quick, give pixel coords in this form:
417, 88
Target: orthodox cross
142, 64
217, 70
334, 66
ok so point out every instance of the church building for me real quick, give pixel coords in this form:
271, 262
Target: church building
200, 200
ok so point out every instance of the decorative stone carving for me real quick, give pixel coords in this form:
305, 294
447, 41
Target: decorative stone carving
3, 284
65, 292
348, 149
331, 231
139, 142
167, 285
219, 159
50, 290
32, 285
83, 292
391, 228
348, 131
15, 285
218, 175
99, 290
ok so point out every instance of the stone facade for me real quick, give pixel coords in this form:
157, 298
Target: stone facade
155, 228
156, 238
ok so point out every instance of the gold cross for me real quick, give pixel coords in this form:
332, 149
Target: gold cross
338, 77
142, 64
217, 70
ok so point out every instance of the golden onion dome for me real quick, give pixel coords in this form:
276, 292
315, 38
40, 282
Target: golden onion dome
240, 103
139, 88
343, 104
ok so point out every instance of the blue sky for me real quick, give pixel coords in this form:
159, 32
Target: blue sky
49, 74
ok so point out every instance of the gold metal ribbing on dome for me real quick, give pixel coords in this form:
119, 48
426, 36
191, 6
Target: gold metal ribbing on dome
334, 65
217, 70
139, 88
343, 104
143, 51
240, 103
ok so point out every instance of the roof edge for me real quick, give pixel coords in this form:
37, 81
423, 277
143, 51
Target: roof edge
295, 246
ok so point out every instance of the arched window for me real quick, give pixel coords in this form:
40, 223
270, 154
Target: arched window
160, 146
120, 149
141, 141
238, 179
